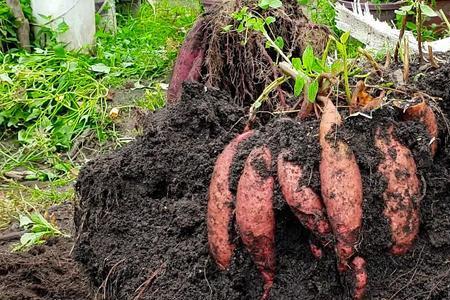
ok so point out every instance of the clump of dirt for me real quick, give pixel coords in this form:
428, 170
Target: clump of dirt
46, 272
141, 217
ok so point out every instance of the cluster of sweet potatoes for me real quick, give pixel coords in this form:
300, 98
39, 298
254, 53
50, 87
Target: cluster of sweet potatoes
337, 212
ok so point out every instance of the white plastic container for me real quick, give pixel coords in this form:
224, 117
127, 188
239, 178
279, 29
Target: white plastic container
79, 15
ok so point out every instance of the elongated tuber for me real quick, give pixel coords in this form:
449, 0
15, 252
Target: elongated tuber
402, 191
423, 113
220, 203
255, 216
341, 186
303, 201
189, 61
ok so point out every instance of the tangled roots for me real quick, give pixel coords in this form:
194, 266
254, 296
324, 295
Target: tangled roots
239, 62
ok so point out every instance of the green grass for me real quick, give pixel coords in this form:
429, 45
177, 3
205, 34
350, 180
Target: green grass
52, 97
16, 198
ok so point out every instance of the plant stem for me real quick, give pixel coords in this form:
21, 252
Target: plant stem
419, 30
372, 61
400, 37
348, 94
406, 62
267, 90
444, 17
23, 31
274, 45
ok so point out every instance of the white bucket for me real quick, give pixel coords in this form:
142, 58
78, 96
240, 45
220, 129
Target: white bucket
79, 15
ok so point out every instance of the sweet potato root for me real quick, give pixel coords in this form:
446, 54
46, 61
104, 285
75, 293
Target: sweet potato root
254, 213
402, 191
359, 269
341, 186
189, 62
423, 113
303, 201
220, 204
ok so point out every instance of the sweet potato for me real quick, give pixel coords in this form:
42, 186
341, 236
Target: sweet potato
423, 113
255, 216
359, 269
402, 191
303, 201
189, 61
341, 186
220, 202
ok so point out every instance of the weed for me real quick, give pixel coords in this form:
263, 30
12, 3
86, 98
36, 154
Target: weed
38, 230
16, 198
52, 98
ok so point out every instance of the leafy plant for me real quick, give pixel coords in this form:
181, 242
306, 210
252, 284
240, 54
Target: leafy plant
419, 9
341, 46
265, 4
38, 230
306, 70
8, 26
52, 97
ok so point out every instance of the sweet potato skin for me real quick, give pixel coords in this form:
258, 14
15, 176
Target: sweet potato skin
423, 113
402, 191
255, 216
189, 62
361, 278
303, 201
220, 202
341, 186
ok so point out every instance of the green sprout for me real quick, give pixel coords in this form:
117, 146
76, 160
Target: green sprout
37, 231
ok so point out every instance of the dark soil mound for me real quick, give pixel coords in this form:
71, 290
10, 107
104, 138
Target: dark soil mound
46, 272
141, 216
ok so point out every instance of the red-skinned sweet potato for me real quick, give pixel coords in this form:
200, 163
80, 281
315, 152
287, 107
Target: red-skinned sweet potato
303, 201
423, 113
341, 186
359, 269
254, 213
189, 61
220, 202
402, 191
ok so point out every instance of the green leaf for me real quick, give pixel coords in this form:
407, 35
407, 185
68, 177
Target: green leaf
5, 77
340, 47
227, 28
24, 221
269, 20
337, 66
428, 11
299, 84
406, 8
318, 67
344, 37
240, 28
302, 2
37, 218
29, 239
279, 42
100, 68
297, 63
268, 45
59, 50
62, 27
259, 25
313, 89
400, 12
308, 57
265, 4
